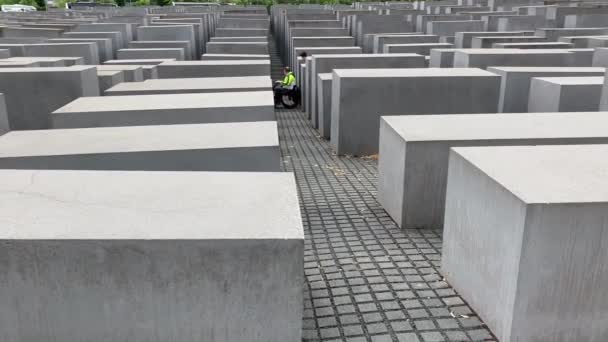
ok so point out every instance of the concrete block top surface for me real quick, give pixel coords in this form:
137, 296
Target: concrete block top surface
582, 80
544, 69
455, 127
134, 205
54, 142
74, 68
244, 82
545, 174
413, 72
218, 62
168, 102
367, 55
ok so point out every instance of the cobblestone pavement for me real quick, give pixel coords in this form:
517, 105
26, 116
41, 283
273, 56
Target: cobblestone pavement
366, 279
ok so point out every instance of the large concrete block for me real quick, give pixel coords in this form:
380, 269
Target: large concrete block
360, 97
131, 73
463, 40
255, 48
414, 150
604, 96
193, 85
242, 146
380, 40
483, 58
125, 29
523, 22
40, 61
116, 37
419, 48
30, 32
163, 53
553, 34
524, 239
533, 45
218, 57
228, 32
324, 104
4, 124
153, 62
312, 51
88, 51
586, 20
565, 94
31, 94
515, 83
261, 39
114, 254
485, 42
170, 32
449, 28
14, 48
105, 49
238, 23
422, 20
181, 44
327, 63
189, 69
165, 109
109, 78
310, 42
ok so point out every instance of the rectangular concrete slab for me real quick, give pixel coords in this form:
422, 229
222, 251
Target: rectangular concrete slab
524, 233
565, 94
189, 69
165, 109
414, 149
193, 85
32, 94
515, 83
161, 53
132, 73
361, 96
483, 58
145, 246
109, 78
241, 146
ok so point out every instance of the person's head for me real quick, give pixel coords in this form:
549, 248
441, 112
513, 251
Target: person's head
286, 70
303, 55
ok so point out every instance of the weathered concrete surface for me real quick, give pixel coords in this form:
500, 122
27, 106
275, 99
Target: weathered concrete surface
380, 40
132, 73
483, 58
150, 44
324, 104
109, 78
138, 61
241, 146
216, 57
189, 69
193, 85
4, 124
170, 32
463, 40
254, 48
515, 83
414, 150
125, 30
88, 51
509, 246
116, 37
360, 97
104, 45
419, 48
165, 53
31, 94
131, 243
165, 109
565, 94
486, 42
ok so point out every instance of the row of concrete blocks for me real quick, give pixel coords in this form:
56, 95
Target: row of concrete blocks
33, 93
523, 225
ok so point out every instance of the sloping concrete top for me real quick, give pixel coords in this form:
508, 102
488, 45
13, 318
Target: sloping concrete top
499, 126
244, 82
545, 69
512, 51
54, 142
219, 62
545, 174
413, 72
134, 205
168, 102
367, 55
74, 68
582, 80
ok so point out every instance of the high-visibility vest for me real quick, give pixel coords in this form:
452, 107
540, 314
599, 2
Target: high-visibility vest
289, 80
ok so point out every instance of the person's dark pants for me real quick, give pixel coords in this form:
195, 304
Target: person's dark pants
279, 91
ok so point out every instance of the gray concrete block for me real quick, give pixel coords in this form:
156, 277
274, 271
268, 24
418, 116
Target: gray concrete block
30, 32
41, 61
464, 39
88, 51
586, 20
523, 22
5, 53
418, 48
600, 58
312, 51
165, 109
324, 104
16, 50
485, 42
360, 97
152, 62
182, 44
565, 94
104, 45
524, 233
380, 40
515, 83
414, 150
553, 34
31, 94
228, 32
442, 58
533, 45
193, 85
150, 72
118, 41
164, 53
327, 63
189, 69
4, 124
134, 243
131, 73
109, 78
449, 28
241, 146
240, 39
254, 48
483, 58
170, 32
585, 41
218, 57
310, 42
125, 29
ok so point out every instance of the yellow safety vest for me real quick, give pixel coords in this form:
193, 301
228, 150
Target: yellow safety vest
289, 80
